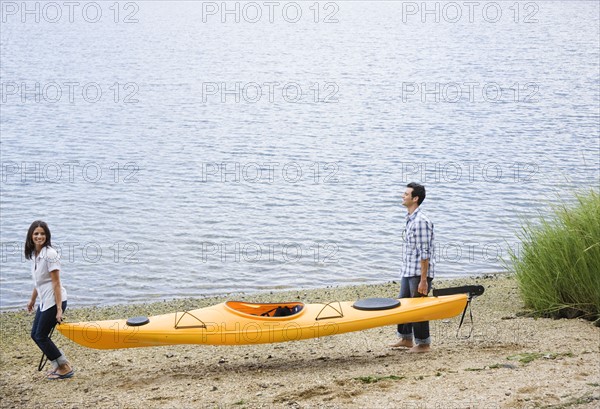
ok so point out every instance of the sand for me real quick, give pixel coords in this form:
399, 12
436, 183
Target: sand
511, 361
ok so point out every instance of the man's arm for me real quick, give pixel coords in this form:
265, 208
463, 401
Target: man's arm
423, 286
424, 238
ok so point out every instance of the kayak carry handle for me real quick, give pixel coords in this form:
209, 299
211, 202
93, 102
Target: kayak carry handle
472, 290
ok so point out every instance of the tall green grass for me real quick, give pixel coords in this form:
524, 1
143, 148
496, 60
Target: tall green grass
558, 265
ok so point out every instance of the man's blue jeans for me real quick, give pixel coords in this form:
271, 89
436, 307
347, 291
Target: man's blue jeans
408, 289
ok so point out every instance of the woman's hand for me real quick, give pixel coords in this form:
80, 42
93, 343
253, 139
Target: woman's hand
55, 276
32, 299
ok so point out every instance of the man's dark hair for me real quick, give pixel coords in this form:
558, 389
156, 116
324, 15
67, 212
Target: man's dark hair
417, 191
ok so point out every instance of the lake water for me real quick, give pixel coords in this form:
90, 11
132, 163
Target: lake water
190, 148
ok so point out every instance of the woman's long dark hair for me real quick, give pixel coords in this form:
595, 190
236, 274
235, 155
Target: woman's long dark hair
29, 245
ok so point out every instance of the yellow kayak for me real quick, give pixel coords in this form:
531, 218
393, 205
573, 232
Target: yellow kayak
239, 323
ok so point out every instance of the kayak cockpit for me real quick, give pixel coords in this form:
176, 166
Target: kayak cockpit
266, 309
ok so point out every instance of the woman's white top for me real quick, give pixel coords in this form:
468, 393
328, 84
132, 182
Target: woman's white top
48, 260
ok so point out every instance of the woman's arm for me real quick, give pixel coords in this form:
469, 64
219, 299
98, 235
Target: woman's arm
55, 276
31, 303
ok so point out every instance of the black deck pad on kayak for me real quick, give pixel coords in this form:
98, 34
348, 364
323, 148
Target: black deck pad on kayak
376, 304
472, 290
137, 321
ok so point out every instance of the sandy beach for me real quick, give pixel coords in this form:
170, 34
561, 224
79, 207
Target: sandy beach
511, 361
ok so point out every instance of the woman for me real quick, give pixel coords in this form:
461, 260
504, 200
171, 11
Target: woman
53, 297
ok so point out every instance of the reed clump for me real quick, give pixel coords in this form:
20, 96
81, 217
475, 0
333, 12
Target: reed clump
558, 265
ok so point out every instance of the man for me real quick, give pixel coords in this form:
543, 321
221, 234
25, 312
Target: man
418, 267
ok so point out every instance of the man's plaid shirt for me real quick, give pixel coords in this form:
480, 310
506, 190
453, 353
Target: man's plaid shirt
418, 244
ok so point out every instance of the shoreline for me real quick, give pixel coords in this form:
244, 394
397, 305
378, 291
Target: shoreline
510, 361
234, 295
